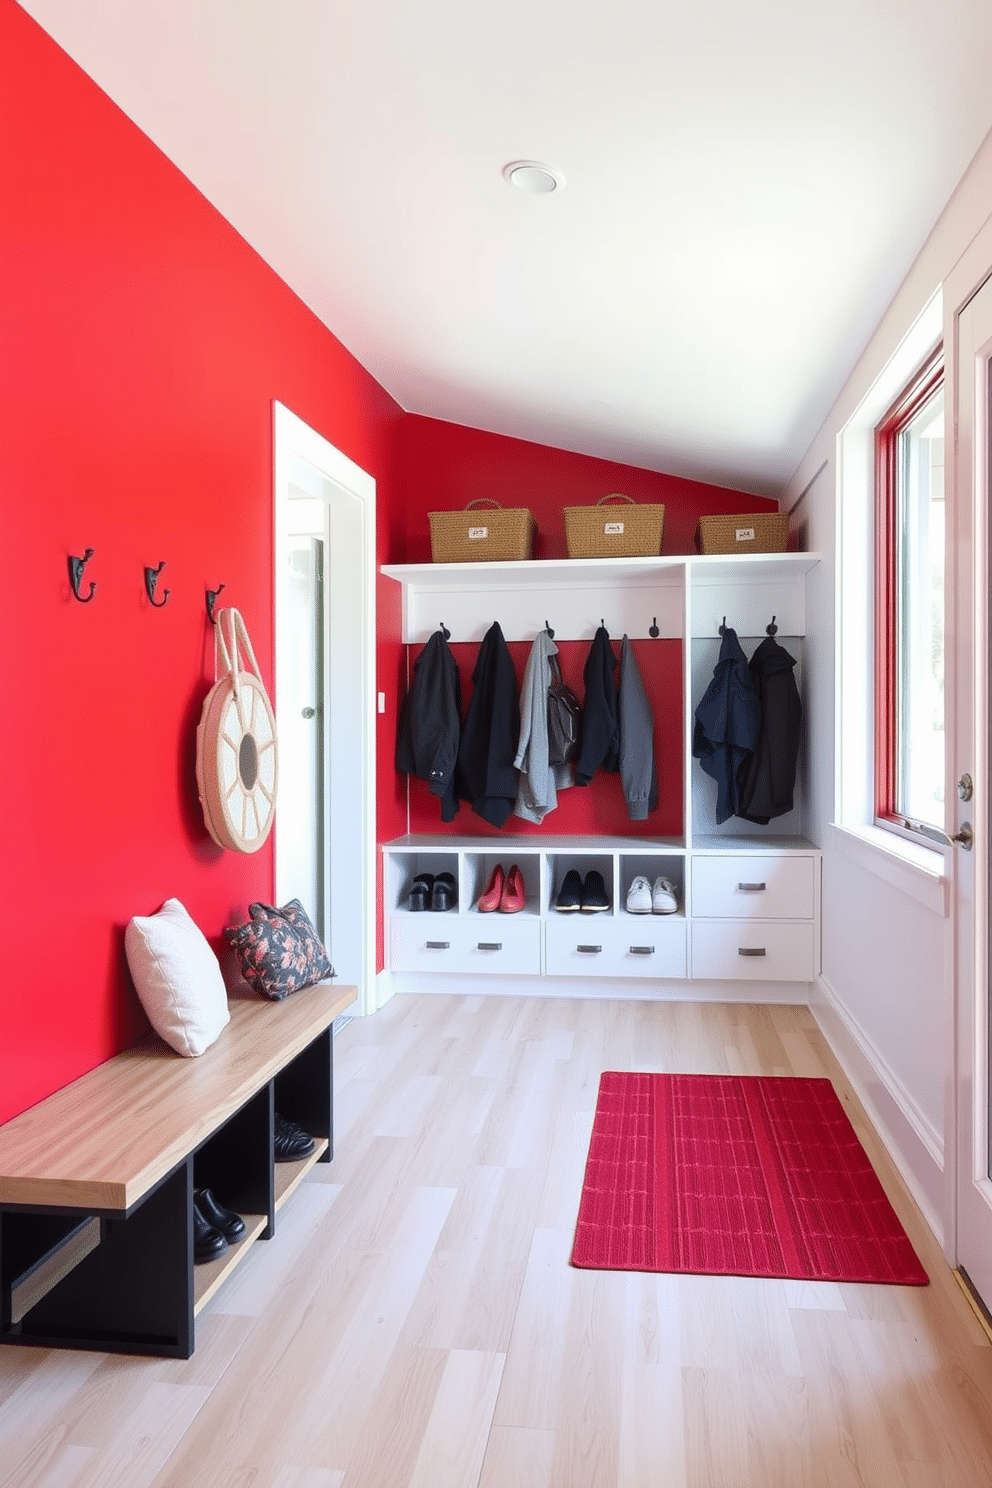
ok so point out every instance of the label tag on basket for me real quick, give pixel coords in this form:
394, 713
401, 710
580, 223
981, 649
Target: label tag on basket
745, 534
475, 533
613, 529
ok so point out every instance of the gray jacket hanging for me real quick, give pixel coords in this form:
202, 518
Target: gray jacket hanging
540, 781
638, 770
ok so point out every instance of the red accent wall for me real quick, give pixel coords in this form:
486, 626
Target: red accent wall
444, 466
143, 343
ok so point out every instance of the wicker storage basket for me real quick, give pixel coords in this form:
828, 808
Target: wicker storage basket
495, 535
751, 532
632, 531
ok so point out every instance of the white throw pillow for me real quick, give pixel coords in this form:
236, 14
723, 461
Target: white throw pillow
178, 978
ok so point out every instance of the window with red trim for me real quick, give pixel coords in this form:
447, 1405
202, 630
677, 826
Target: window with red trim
909, 639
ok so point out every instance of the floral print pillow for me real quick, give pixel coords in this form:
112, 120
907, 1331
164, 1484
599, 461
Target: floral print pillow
294, 915
273, 959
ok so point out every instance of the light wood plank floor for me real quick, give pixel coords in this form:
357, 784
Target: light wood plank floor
415, 1323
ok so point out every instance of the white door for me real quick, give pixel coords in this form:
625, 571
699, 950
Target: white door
973, 658
301, 728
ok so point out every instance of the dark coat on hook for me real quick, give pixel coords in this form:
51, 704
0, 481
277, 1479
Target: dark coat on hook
487, 778
770, 777
728, 722
600, 748
429, 728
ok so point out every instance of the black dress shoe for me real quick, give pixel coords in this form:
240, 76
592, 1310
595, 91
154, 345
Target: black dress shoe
291, 1141
208, 1242
594, 895
231, 1225
420, 891
444, 893
570, 894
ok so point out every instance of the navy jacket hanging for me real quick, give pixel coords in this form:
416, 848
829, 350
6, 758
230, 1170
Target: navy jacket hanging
728, 722
429, 728
487, 777
770, 776
600, 748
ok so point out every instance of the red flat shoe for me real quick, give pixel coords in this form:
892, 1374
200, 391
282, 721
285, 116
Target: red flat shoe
514, 895
494, 892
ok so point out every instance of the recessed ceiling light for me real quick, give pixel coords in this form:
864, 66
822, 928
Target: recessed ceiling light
533, 177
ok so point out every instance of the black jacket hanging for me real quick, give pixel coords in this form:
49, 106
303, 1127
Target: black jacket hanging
487, 777
429, 729
770, 775
728, 722
600, 749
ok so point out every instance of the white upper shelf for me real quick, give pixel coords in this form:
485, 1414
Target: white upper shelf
541, 573
627, 594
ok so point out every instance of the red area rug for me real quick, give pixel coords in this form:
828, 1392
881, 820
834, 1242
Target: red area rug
735, 1175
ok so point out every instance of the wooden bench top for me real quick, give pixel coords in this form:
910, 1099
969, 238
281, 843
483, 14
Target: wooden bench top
104, 1140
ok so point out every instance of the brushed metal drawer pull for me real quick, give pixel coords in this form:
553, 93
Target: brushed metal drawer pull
589, 950
642, 950
439, 945
755, 888
490, 945
750, 950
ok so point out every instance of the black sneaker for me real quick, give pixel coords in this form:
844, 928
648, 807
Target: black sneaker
570, 894
291, 1141
594, 896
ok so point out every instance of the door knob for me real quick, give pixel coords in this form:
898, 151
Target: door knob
309, 712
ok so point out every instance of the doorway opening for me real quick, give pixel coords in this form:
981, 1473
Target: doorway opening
324, 545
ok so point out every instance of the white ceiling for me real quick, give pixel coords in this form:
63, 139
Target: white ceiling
747, 182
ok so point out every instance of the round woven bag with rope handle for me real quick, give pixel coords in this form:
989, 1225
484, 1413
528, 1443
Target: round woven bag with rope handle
236, 754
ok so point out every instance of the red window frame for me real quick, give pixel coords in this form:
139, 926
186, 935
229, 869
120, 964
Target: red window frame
927, 380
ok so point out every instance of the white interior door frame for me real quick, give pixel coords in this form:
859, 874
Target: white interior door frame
301, 454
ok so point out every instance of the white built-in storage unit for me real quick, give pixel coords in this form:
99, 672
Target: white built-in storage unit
748, 895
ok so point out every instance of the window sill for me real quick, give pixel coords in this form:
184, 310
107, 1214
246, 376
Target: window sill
912, 869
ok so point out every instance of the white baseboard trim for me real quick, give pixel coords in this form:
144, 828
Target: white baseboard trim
617, 989
912, 1141
385, 988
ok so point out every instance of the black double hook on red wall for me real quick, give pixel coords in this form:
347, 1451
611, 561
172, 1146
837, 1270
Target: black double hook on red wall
77, 568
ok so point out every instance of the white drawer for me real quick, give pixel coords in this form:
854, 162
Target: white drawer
762, 888
754, 950
509, 945
628, 946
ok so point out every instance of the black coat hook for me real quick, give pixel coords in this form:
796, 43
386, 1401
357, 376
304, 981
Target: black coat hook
653, 630
549, 630
723, 627
212, 597
76, 567
151, 579
771, 629
445, 631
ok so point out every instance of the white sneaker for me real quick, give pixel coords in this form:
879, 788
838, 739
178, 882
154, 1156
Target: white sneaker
639, 896
664, 899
